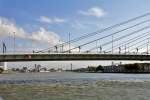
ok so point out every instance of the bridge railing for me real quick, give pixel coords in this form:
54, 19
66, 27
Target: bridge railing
76, 52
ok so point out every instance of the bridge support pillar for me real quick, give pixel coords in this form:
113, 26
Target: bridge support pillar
3, 65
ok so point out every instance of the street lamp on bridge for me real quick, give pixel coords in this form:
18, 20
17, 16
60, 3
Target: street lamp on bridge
14, 41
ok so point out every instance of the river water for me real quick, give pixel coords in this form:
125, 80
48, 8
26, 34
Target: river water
74, 86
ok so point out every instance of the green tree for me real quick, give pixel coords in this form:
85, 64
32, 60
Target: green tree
134, 67
1, 70
91, 69
99, 68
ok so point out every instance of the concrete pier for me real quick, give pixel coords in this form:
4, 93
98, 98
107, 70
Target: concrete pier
3, 65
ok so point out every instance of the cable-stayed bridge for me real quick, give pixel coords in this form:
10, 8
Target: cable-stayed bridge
128, 40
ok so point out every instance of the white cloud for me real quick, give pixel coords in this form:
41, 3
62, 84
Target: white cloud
94, 11
45, 19
54, 20
44, 35
59, 20
7, 28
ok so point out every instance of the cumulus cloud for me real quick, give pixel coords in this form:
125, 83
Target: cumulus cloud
44, 35
7, 28
48, 20
94, 11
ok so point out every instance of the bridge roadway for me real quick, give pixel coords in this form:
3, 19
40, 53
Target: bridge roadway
72, 57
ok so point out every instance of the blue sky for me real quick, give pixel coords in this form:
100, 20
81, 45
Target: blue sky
25, 13
45, 22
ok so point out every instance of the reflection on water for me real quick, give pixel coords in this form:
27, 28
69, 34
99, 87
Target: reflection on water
74, 86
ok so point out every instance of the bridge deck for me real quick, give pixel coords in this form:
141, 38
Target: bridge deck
71, 57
